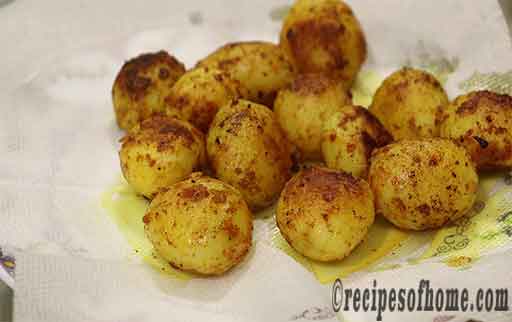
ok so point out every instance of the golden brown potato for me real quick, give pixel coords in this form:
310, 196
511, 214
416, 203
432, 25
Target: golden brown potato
481, 121
198, 95
349, 138
159, 152
201, 225
409, 104
324, 214
141, 86
248, 150
302, 109
422, 184
324, 36
261, 68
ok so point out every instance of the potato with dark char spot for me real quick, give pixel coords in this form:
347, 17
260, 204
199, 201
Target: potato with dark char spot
161, 151
197, 96
349, 138
261, 68
247, 149
141, 86
303, 108
422, 184
201, 225
324, 214
409, 103
481, 122
324, 36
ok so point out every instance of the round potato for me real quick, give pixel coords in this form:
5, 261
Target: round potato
481, 121
409, 104
248, 150
261, 68
422, 184
324, 36
324, 214
160, 151
141, 86
349, 139
302, 109
198, 95
201, 225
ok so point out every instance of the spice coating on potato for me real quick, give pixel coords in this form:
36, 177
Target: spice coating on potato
201, 225
248, 150
481, 122
349, 138
262, 68
304, 107
141, 86
422, 184
409, 104
324, 214
199, 93
324, 36
160, 151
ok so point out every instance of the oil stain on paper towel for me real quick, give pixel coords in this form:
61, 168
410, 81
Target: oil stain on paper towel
126, 209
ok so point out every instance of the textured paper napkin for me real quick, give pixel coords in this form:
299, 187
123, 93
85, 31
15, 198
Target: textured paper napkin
59, 140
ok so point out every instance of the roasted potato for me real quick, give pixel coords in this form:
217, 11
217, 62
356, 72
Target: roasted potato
349, 138
197, 96
302, 109
422, 184
160, 151
409, 104
201, 225
324, 36
261, 68
481, 122
324, 214
142, 85
248, 150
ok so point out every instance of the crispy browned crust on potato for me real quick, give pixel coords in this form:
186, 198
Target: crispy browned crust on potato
139, 77
159, 152
320, 203
247, 148
481, 121
200, 224
422, 184
349, 139
200, 93
164, 132
410, 104
262, 68
326, 27
303, 107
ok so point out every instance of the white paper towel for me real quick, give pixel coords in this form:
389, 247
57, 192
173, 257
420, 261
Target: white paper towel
58, 143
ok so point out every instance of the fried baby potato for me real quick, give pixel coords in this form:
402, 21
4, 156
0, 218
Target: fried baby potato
422, 184
304, 107
261, 68
409, 104
197, 96
160, 151
247, 149
142, 85
324, 214
201, 225
481, 122
324, 36
349, 138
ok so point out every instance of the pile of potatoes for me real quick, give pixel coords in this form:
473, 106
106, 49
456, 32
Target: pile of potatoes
212, 145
